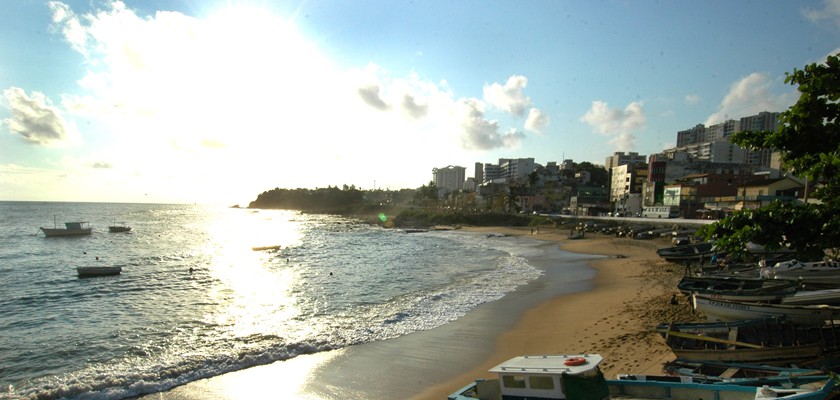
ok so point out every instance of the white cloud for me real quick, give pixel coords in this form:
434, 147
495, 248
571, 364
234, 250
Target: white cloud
749, 96
34, 119
481, 134
509, 97
692, 98
616, 123
830, 12
537, 120
241, 93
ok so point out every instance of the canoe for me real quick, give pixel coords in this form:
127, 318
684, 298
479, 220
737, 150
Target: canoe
688, 252
814, 275
577, 376
715, 371
737, 288
771, 341
727, 310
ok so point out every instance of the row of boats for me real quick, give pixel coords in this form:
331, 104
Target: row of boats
80, 228
769, 333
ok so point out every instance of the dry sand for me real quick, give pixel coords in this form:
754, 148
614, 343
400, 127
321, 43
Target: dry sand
616, 319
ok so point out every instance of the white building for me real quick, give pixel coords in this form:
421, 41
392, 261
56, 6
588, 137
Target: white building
450, 178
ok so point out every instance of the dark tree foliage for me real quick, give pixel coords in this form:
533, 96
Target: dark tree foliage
808, 140
331, 199
598, 175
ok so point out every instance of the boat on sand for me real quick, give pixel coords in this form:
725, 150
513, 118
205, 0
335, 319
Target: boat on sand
577, 376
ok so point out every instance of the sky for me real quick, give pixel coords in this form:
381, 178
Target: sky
203, 101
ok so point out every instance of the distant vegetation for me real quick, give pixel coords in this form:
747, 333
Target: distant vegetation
406, 208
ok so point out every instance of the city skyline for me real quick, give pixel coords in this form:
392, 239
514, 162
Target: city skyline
218, 101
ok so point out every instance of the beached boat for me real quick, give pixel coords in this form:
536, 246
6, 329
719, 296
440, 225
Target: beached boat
771, 341
737, 288
715, 371
688, 252
829, 297
70, 229
87, 272
814, 275
119, 227
579, 377
576, 234
728, 310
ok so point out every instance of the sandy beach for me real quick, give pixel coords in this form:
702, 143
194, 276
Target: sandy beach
628, 296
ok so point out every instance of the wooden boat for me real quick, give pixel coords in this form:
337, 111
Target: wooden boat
771, 341
579, 377
87, 272
715, 371
829, 297
121, 227
814, 275
70, 229
737, 288
688, 252
728, 310
576, 234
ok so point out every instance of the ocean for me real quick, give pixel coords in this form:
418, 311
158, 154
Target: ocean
195, 300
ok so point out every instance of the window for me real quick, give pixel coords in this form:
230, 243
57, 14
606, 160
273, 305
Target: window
513, 381
541, 382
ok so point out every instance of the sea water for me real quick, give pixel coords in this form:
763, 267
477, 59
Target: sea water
195, 300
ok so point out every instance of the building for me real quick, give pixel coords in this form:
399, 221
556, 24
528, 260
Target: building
509, 170
450, 179
619, 158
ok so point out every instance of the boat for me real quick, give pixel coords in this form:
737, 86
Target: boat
87, 272
576, 234
814, 275
770, 341
687, 252
728, 310
715, 371
829, 297
262, 248
578, 376
738, 288
70, 229
119, 227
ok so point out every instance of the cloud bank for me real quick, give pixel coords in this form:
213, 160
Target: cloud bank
617, 124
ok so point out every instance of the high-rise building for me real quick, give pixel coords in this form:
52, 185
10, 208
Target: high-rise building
619, 158
449, 177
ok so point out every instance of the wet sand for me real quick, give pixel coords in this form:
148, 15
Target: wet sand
628, 294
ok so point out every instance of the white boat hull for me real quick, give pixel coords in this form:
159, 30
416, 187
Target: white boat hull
724, 310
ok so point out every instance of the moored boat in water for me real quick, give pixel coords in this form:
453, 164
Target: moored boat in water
70, 229
119, 227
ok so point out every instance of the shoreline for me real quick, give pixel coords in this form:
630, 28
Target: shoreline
614, 316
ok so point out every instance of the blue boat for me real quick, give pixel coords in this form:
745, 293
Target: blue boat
578, 377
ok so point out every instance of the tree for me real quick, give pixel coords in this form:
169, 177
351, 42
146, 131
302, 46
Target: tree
808, 139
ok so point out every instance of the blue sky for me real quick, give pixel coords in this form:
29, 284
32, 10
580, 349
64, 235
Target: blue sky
205, 101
